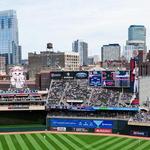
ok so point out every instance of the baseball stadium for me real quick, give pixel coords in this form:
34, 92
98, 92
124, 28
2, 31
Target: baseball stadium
75, 110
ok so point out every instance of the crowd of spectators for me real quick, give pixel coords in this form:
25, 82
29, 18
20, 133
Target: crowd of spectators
104, 97
141, 117
56, 90
77, 91
20, 99
20, 95
98, 114
126, 96
74, 90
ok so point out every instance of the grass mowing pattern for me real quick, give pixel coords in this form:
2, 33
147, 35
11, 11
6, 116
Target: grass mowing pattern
43, 141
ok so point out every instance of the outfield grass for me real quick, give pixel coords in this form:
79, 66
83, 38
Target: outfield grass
43, 141
22, 125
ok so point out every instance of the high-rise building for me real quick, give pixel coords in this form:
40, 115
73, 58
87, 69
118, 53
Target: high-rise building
129, 51
137, 33
75, 46
9, 36
90, 60
19, 58
82, 48
2, 65
93, 60
137, 42
110, 52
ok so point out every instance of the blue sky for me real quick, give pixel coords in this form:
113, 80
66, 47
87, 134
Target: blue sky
97, 22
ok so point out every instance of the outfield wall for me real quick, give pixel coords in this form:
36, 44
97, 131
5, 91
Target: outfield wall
96, 126
22, 117
22, 128
13, 121
88, 125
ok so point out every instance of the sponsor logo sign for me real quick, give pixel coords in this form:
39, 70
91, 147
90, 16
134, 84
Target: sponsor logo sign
61, 129
99, 130
139, 133
56, 75
68, 75
81, 75
80, 123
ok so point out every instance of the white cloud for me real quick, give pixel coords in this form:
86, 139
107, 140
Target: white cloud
61, 21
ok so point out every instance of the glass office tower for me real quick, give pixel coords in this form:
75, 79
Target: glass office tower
82, 48
9, 36
137, 32
136, 43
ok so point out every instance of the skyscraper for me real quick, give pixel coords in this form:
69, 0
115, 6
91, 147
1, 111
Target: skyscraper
9, 44
137, 33
110, 52
137, 42
82, 48
75, 46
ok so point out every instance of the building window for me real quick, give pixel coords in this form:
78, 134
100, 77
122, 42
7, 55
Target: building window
9, 22
2, 24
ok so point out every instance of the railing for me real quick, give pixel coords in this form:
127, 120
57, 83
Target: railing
23, 107
62, 100
50, 86
138, 123
89, 117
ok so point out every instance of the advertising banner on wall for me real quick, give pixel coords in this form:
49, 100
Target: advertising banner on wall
80, 129
80, 123
139, 133
81, 74
62, 129
120, 78
99, 130
56, 75
69, 75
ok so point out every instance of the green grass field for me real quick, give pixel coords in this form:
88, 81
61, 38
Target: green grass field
47, 141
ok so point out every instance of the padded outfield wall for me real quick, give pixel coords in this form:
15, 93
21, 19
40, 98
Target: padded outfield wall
22, 121
22, 117
88, 125
96, 126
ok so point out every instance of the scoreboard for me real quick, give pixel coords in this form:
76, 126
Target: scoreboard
95, 78
122, 79
109, 78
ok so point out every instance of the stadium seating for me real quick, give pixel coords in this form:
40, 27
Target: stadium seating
77, 92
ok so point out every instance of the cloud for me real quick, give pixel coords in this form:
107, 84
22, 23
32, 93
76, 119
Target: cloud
62, 21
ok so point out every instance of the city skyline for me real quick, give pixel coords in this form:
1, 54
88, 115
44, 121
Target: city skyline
62, 22
9, 43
